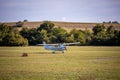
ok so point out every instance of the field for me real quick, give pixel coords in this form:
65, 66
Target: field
77, 63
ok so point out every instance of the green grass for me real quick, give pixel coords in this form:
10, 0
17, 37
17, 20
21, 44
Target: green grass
77, 63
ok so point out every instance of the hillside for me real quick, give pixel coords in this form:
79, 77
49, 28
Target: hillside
66, 25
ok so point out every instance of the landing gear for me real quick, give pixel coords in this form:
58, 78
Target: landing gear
62, 51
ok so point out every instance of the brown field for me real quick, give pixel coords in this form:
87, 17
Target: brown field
66, 25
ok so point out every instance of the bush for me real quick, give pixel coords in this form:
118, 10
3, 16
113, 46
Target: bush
24, 55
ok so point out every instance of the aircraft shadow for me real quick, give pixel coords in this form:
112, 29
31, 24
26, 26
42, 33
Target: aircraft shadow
42, 52
47, 53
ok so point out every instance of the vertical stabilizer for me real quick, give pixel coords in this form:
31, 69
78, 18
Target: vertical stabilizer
44, 43
45, 46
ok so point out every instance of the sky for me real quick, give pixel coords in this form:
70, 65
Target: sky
60, 10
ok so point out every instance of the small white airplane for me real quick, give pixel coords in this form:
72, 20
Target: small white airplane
56, 47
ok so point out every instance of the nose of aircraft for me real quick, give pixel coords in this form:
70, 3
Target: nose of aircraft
64, 48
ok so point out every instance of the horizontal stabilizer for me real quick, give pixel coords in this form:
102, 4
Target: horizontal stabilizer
72, 43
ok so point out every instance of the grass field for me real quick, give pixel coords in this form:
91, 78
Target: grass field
78, 63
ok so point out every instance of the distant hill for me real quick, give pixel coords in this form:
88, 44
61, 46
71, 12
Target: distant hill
66, 25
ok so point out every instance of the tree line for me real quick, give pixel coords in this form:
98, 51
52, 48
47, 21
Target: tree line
10, 36
100, 35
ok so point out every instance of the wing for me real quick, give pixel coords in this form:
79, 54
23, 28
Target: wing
39, 44
58, 44
47, 44
71, 43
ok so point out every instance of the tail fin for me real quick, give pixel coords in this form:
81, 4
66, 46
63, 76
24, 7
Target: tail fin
44, 43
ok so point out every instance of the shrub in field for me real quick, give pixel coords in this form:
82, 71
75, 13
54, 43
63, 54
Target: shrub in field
24, 55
